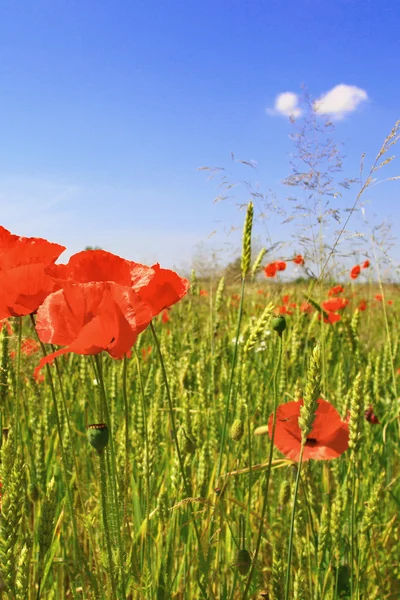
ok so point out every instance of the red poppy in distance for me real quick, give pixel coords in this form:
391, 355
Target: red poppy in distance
23, 281
329, 436
362, 306
331, 317
298, 260
335, 304
306, 307
88, 318
271, 269
336, 290
366, 264
354, 273
281, 265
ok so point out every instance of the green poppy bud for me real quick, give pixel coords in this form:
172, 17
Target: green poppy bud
243, 561
97, 434
279, 325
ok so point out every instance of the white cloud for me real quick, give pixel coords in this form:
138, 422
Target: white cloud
286, 104
340, 101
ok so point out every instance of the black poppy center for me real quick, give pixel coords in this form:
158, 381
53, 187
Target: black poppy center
311, 442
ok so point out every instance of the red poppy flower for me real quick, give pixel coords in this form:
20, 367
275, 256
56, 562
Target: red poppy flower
283, 310
366, 264
6, 323
371, 416
328, 438
146, 351
88, 318
159, 288
281, 265
203, 293
285, 299
29, 346
362, 306
335, 304
379, 297
306, 307
331, 317
271, 269
354, 273
298, 260
336, 290
23, 281
165, 318
390, 302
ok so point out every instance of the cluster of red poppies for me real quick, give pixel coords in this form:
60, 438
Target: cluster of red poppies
272, 268
355, 271
98, 301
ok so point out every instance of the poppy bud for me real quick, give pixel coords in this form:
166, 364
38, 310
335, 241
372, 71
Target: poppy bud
97, 434
237, 430
243, 561
279, 324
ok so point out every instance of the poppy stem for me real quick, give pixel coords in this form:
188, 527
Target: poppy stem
77, 548
17, 386
113, 468
230, 388
146, 453
290, 551
265, 486
103, 478
180, 459
126, 466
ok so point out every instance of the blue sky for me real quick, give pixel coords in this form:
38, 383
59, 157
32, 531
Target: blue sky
109, 107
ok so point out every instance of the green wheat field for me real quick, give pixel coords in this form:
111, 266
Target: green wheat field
154, 476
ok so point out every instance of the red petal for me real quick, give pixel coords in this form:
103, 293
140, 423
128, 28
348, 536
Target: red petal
16, 251
23, 289
93, 265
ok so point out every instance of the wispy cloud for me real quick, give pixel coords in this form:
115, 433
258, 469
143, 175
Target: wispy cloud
340, 101
287, 105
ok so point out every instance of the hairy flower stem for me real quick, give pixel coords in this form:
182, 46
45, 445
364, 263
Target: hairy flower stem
126, 465
146, 452
230, 388
290, 551
268, 472
178, 451
79, 556
103, 478
17, 387
113, 469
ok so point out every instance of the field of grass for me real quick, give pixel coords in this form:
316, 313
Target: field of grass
185, 501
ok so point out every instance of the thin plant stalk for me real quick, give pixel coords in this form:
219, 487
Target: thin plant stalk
17, 386
178, 451
268, 473
126, 415
231, 379
146, 451
103, 479
113, 469
77, 549
290, 551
